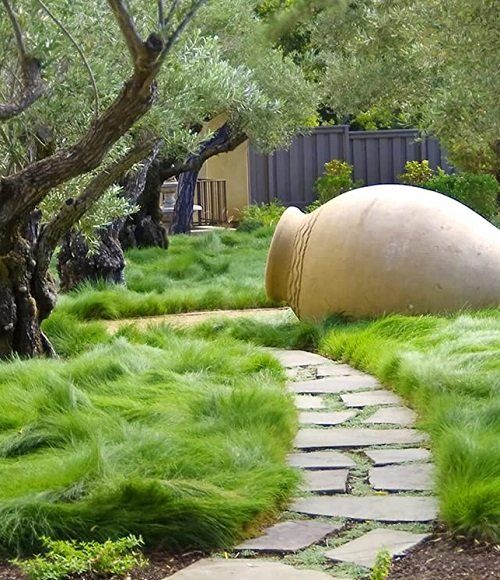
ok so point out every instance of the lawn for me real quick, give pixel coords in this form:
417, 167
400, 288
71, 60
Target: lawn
173, 437
447, 368
216, 271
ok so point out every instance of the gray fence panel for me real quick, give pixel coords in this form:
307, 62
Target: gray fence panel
377, 157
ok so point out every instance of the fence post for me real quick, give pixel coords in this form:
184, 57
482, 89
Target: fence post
347, 143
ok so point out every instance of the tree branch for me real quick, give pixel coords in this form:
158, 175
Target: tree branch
33, 87
132, 38
190, 14
21, 192
74, 209
195, 161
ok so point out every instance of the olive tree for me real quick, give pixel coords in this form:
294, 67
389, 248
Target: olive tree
52, 134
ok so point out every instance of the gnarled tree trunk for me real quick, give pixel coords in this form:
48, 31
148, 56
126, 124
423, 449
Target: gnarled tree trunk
144, 228
78, 263
26, 296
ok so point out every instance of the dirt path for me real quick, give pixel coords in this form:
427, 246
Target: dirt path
192, 318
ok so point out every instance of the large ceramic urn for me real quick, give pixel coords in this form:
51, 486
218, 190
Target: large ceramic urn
383, 249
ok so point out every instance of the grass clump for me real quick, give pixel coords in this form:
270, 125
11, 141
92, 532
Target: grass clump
175, 438
220, 270
69, 559
449, 370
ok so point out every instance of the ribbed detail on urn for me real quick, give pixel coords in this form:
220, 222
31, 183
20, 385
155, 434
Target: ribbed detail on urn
281, 253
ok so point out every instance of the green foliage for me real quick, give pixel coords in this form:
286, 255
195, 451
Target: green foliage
417, 173
449, 371
479, 192
382, 566
64, 559
258, 215
434, 62
214, 271
176, 438
337, 179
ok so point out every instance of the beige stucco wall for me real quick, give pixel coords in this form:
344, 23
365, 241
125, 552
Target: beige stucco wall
233, 167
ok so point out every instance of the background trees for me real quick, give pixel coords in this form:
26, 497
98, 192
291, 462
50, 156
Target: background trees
434, 62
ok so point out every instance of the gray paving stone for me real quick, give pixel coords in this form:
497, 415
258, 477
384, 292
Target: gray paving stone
320, 460
333, 369
389, 508
327, 481
245, 569
326, 418
395, 415
290, 536
356, 437
388, 456
309, 402
298, 358
330, 385
363, 551
413, 476
372, 398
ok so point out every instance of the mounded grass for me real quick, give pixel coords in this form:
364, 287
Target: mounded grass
222, 270
173, 437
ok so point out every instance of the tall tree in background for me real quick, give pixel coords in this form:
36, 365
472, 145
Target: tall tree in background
36, 209
436, 62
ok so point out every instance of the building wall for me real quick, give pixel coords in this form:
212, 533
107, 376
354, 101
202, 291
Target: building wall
233, 167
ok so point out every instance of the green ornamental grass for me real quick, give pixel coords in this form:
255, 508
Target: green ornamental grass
178, 439
210, 272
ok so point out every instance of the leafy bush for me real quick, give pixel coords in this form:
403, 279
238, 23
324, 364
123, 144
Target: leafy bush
417, 173
479, 192
382, 566
67, 559
260, 215
337, 179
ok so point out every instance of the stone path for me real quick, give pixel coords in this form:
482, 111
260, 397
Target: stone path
367, 482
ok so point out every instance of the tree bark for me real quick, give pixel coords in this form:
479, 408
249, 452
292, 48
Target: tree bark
26, 299
144, 228
77, 263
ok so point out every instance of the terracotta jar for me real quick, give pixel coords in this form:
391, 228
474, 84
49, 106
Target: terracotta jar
382, 249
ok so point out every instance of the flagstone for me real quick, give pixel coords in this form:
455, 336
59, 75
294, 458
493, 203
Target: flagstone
326, 418
320, 460
309, 402
363, 551
327, 481
396, 415
330, 385
413, 476
298, 358
245, 569
355, 437
389, 508
388, 456
368, 399
290, 536
333, 369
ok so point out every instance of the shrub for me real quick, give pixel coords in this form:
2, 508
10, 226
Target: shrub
336, 180
479, 192
417, 173
260, 215
382, 566
66, 559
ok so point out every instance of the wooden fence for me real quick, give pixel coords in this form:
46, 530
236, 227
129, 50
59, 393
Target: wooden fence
377, 157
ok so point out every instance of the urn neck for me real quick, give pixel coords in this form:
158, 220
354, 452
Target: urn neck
280, 256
